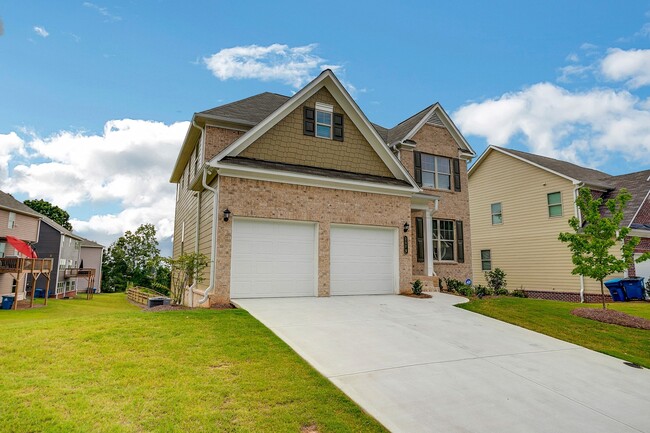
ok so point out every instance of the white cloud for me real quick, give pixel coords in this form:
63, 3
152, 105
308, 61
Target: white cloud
291, 65
41, 31
631, 66
103, 11
129, 163
584, 127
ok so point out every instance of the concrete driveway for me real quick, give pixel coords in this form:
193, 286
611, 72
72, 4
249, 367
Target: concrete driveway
425, 366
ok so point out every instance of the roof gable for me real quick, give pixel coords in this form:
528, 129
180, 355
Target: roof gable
433, 115
8, 202
286, 143
328, 81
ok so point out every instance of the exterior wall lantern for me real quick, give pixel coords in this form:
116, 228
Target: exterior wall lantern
406, 227
226, 215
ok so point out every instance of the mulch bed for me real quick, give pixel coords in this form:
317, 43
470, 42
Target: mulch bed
413, 295
182, 307
613, 317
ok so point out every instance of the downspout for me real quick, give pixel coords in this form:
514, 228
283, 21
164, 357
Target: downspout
213, 236
579, 216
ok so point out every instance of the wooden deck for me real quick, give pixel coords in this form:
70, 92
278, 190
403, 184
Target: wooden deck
17, 267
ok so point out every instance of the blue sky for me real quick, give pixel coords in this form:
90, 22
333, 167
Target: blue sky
96, 95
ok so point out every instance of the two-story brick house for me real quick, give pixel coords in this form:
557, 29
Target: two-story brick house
303, 196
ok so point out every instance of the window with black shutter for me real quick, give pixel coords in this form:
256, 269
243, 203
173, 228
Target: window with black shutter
456, 165
419, 238
337, 133
460, 254
418, 167
309, 121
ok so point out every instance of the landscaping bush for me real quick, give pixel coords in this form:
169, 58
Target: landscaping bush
465, 290
496, 281
453, 285
481, 291
416, 286
519, 293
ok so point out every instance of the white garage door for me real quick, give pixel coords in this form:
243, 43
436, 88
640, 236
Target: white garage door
642, 269
363, 260
272, 259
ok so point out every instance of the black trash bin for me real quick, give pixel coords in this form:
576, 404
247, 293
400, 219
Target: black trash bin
157, 301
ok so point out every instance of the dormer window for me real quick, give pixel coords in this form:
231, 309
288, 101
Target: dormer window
322, 122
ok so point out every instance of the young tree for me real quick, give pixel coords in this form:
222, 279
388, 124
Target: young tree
54, 213
591, 241
134, 258
185, 271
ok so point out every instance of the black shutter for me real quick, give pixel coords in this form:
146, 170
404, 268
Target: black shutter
419, 238
456, 175
460, 257
338, 127
418, 167
308, 127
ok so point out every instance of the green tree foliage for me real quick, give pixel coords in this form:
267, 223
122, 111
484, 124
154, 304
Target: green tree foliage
591, 241
185, 271
54, 213
496, 281
135, 258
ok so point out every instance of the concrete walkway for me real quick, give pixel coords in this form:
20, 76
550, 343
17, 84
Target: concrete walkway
425, 366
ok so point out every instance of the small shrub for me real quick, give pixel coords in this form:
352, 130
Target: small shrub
453, 285
481, 291
519, 293
465, 290
496, 280
416, 286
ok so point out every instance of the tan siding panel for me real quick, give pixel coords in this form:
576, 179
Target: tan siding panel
26, 227
286, 143
526, 245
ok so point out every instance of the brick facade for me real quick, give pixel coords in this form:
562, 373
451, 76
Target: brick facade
643, 247
437, 140
217, 139
263, 199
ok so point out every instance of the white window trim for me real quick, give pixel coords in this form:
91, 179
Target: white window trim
435, 172
440, 240
11, 223
3, 248
329, 125
489, 260
548, 205
500, 213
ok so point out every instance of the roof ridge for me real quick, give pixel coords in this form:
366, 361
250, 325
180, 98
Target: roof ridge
507, 149
412, 116
243, 99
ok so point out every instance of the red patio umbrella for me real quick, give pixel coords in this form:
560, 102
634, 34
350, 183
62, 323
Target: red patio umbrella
22, 247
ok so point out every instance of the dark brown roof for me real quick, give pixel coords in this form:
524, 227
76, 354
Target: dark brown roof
399, 131
316, 171
251, 110
7, 201
589, 176
637, 185
254, 109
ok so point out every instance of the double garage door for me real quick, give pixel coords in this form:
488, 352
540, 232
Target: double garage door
272, 258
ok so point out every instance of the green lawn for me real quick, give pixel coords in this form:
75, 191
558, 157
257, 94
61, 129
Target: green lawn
554, 318
106, 366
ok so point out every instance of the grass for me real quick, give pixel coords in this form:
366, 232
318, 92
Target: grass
554, 318
106, 366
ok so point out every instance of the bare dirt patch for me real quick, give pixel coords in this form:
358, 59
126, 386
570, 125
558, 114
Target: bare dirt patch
166, 308
612, 317
413, 295
311, 428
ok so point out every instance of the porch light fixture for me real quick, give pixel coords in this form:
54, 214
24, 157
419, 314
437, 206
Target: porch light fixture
406, 227
226, 215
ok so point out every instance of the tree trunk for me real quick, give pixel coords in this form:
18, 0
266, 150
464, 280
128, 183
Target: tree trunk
602, 292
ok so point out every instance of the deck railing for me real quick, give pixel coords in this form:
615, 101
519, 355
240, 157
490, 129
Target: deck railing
20, 264
78, 272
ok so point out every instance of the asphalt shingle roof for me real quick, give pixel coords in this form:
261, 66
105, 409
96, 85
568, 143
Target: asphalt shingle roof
589, 176
7, 201
637, 185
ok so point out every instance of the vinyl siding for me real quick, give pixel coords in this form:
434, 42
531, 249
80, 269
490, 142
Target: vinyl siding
25, 228
526, 245
205, 231
185, 213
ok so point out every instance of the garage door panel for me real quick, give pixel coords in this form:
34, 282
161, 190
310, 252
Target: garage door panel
363, 260
272, 258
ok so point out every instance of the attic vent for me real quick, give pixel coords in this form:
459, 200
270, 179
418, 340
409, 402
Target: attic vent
434, 120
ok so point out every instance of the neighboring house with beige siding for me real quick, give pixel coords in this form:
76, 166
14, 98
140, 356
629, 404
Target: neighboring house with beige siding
20, 221
520, 202
303, 196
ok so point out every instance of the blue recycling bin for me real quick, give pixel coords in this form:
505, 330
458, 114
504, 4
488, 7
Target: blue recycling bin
7, 302
616, 289
39, 293
634, 288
